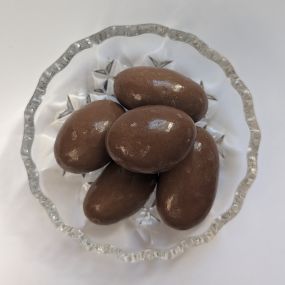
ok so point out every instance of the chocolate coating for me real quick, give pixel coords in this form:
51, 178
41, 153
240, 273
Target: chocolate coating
80, 143
151, 139
141, 86
185, 194
117, 194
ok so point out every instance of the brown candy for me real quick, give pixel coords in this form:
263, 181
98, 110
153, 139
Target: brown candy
117, 194
186, 193
80, 143
141, 86
151, 139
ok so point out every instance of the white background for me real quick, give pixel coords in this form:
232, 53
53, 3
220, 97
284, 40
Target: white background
248, 250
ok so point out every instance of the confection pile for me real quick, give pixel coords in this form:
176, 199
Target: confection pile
153, 144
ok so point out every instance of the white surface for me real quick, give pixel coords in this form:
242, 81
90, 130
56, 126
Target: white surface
248, 250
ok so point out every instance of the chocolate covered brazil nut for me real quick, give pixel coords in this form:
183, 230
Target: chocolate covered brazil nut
151, 139
117, 194
80, 143
141, 86
186, 193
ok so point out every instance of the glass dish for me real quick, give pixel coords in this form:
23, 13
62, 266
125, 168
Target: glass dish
89, 76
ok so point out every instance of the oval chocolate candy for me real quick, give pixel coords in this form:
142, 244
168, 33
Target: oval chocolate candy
80, 143
141, 86
151, 139
186, 193
117, 194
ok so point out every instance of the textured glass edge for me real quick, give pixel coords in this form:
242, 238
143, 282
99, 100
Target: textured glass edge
130, 31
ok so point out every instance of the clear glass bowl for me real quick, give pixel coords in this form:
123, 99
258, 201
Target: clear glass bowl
89, 76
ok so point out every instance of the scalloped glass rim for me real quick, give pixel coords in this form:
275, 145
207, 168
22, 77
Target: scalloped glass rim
130, 31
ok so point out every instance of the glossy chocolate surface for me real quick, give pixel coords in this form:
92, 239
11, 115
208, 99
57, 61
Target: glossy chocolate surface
186, 193
80, 143
117, 194
141, 86
151, 139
